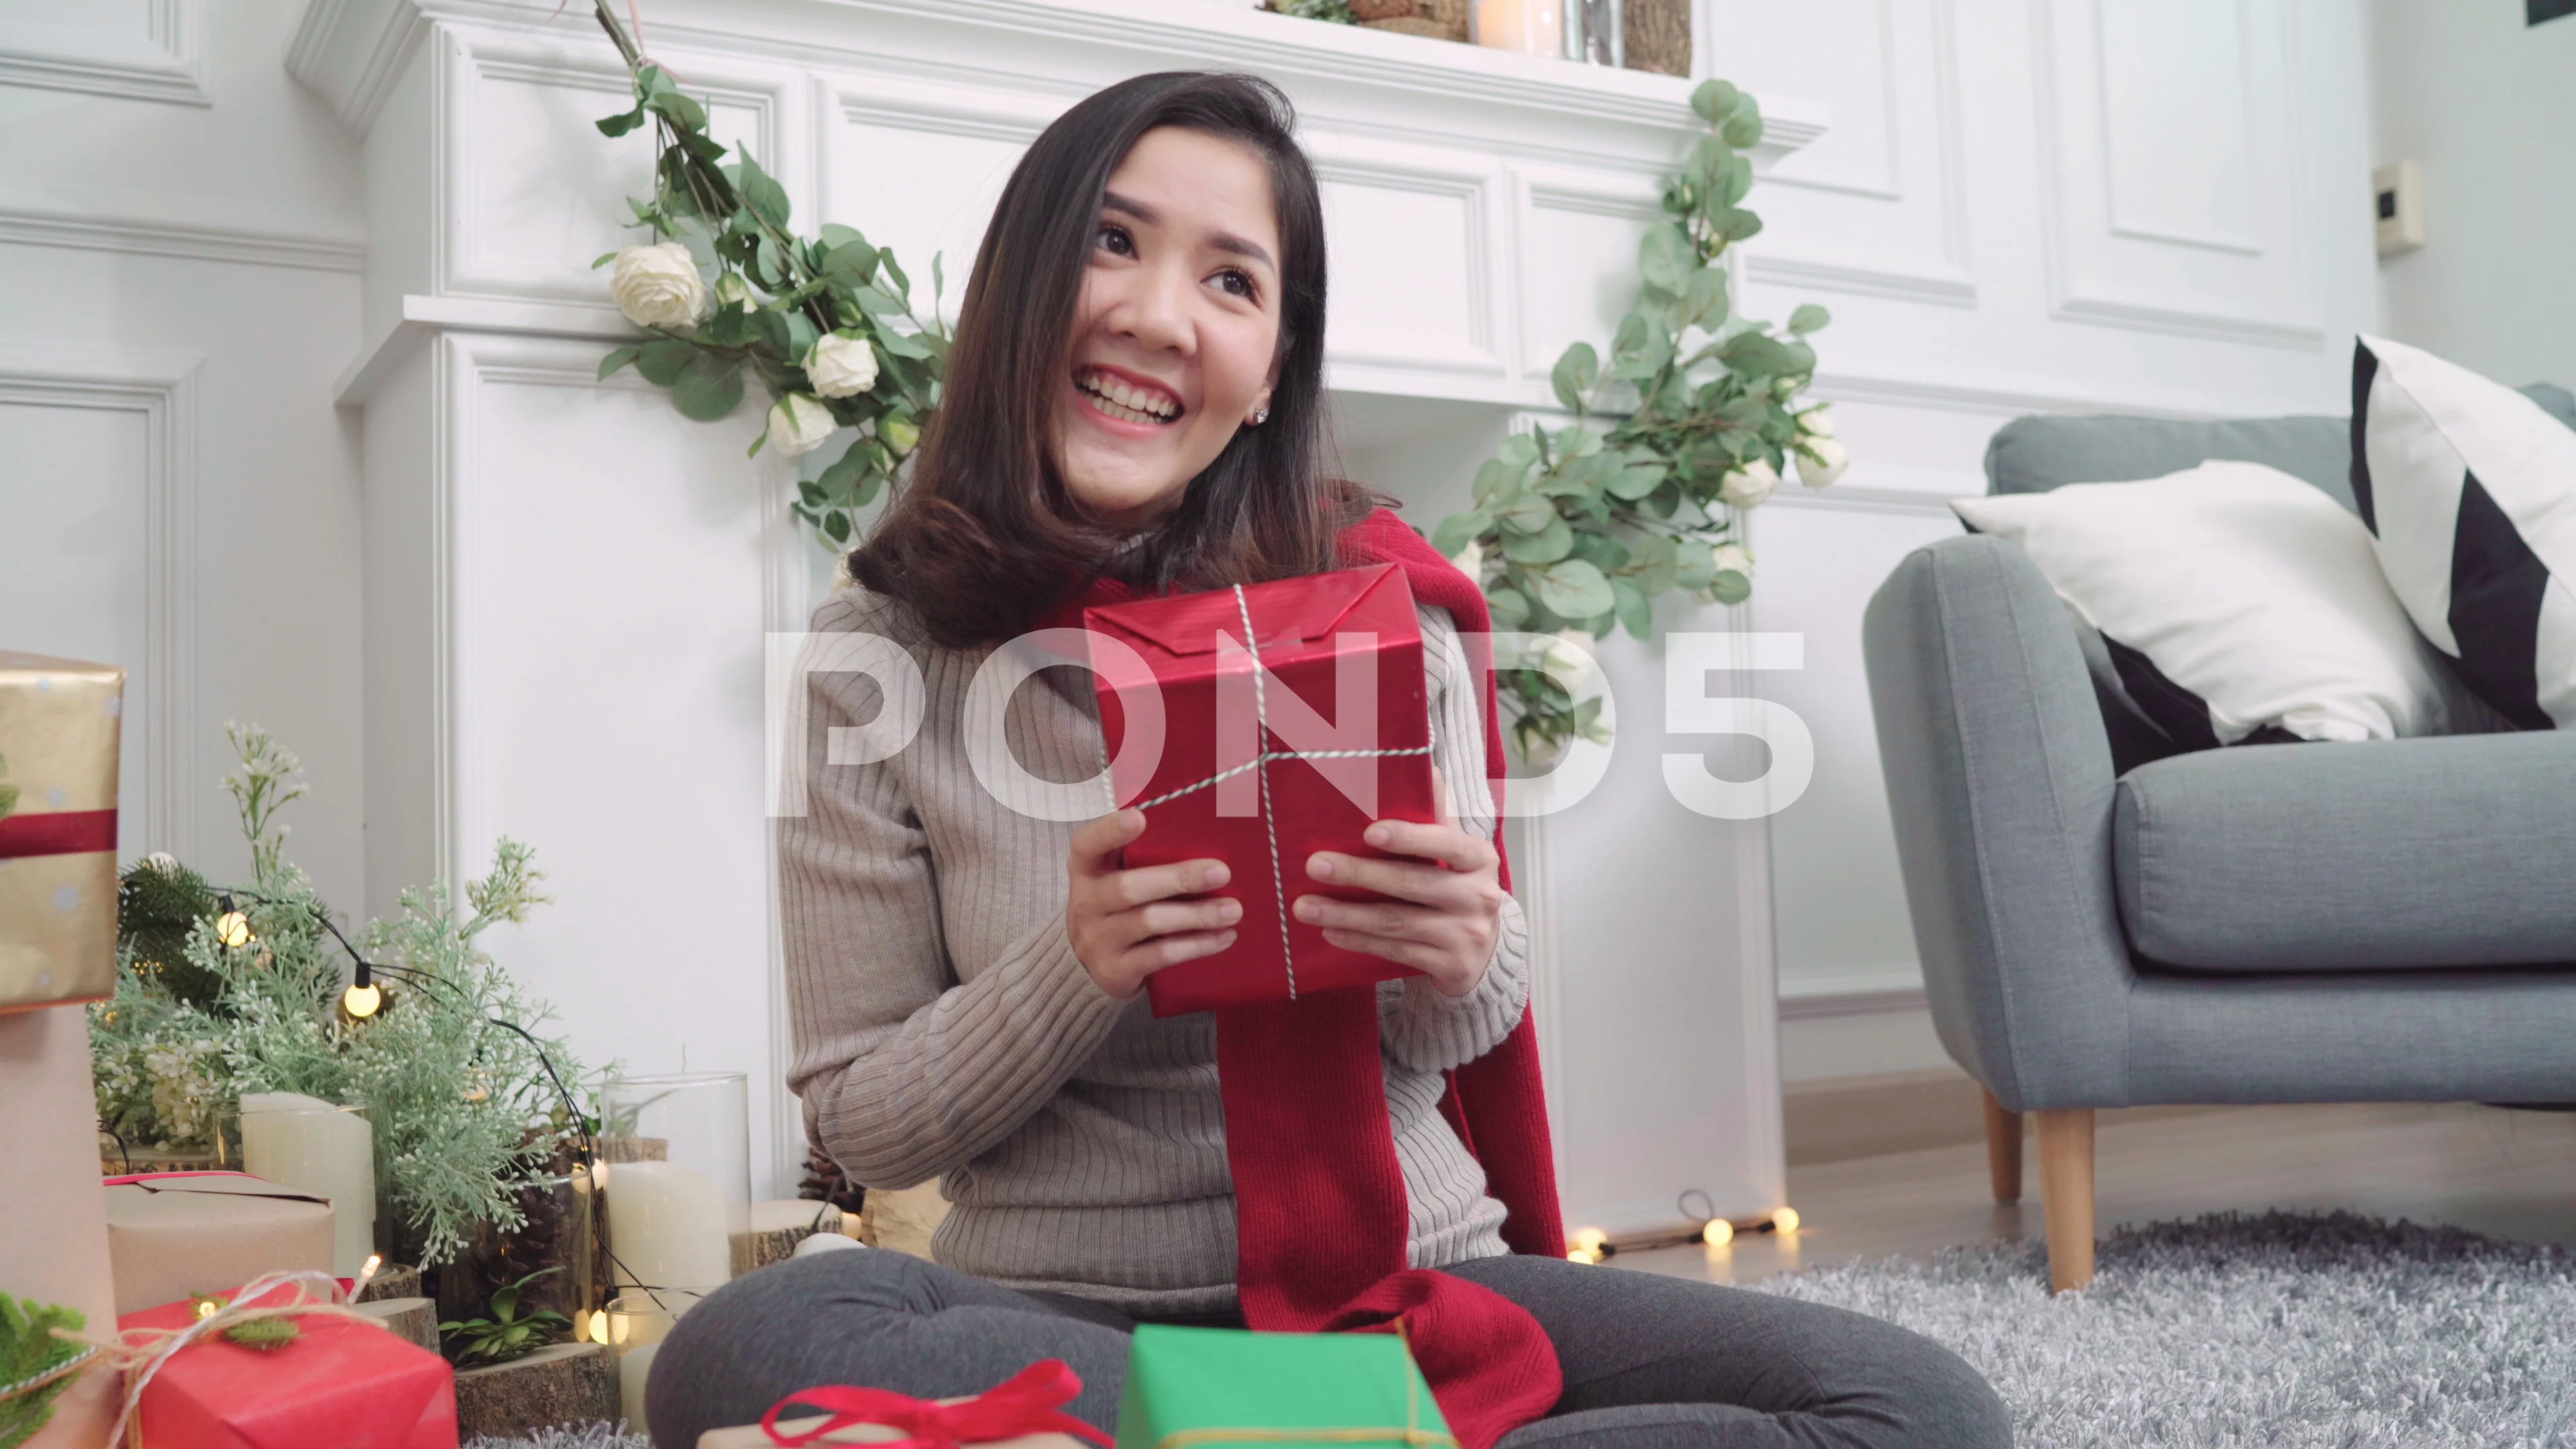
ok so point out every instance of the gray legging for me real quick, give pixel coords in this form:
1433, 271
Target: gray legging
1650, 1362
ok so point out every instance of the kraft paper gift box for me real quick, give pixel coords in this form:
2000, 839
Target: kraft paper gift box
341, 1383
1270, 751
1223, 1385
171, 1235
59, 728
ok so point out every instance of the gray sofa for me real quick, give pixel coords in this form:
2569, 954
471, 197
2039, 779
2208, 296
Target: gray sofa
2105, 923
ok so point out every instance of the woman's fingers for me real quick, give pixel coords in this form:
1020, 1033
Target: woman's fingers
1445, 843
1164, 918
1096, 843
1173, 950
1416, 954
1409, 880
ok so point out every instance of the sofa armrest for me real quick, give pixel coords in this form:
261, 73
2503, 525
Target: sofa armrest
2000, 782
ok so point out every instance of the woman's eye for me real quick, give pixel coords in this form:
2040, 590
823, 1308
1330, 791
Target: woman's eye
1237, 284
1115, 241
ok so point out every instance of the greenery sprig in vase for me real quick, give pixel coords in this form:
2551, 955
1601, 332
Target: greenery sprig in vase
247, 996
1691, 422
825, 324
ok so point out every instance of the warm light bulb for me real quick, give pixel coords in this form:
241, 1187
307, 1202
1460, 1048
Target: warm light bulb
361, 1001
1718, 1233
1590, 1240
206, 1308
598, 1328
1785, 1220
232, 928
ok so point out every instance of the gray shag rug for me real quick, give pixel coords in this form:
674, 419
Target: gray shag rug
2284, 1331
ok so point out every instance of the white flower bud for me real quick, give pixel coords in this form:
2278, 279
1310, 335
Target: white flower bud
1731, 556
1748, 486
1821, 461
840, 365
659, 286
1817, 421
1570, 660
798, 425
1471, 559
733, 291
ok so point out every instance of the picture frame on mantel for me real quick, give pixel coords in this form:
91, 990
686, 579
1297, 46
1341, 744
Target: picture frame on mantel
509, 489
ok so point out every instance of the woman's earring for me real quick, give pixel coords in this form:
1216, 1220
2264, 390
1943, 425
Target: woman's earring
1260, 416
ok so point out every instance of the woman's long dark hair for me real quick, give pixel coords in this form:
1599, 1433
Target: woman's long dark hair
984, 538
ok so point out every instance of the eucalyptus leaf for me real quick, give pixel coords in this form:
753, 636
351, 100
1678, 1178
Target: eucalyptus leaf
1519, 450
1509, 608
1573, 589
902, 344
1575, 373
836, 527
616, 360
1635, 480
1665, 258
1713, 100
680, 110
1730, 587
1496, 479
1546, 546
662, 361
1458, 530
762, 193
708, 389
619, 125
1634, 611
834, 236
1601, 551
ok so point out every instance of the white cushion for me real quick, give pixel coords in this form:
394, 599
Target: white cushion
2238, 603
2469, 489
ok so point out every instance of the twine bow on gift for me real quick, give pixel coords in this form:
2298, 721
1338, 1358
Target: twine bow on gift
141, 1352
1260, 761
1029, 1403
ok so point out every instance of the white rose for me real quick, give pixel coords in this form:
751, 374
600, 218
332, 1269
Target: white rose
733, 291
1817, 421
1471, 559
1731, 556
798, 425
841, 365
1569, 660
1748, 486
1821, 461
659, 286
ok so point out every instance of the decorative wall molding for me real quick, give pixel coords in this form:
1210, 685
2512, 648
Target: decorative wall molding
2146, 278
351, 52
160, 389
1862, 1001
194, 243
159, 60
1866, 274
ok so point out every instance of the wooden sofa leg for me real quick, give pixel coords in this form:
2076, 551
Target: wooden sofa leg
2066, 1195
2003, 1149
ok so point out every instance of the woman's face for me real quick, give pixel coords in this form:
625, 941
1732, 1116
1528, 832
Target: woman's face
1176, 337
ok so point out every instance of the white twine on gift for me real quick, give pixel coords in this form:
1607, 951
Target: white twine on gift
1261, 762
142, 1358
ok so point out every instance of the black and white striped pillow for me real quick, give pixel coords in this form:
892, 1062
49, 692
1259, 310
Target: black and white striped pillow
2469, 490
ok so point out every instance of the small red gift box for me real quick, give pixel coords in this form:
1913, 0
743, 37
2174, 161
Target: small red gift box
1288, 716
340, 1382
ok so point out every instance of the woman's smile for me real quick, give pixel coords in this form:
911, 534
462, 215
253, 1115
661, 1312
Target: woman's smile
1129, 405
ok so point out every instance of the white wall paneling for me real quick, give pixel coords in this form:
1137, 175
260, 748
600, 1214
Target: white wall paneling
2174, 174
141, 50
99, 560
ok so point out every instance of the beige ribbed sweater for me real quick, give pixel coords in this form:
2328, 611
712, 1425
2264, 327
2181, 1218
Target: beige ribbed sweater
944, 1029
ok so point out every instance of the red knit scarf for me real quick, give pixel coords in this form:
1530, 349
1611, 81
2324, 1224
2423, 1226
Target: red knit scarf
1320, 1213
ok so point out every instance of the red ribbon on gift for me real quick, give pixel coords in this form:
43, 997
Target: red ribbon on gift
62, 832
1028, 1404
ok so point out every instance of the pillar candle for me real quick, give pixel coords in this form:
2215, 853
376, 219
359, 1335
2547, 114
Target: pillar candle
1532, 27
313, 1146
633, 1371
668, 1225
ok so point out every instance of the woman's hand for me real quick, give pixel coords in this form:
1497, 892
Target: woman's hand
1445, 916
1125, 925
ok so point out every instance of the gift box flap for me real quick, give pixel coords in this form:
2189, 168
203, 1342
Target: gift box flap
1192, 624
1181, 1380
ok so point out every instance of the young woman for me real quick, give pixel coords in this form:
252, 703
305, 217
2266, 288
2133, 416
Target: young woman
1136, 404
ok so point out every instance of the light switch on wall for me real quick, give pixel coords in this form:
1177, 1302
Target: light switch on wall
2400, 201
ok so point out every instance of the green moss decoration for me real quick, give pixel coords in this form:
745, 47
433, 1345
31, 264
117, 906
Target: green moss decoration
29, 1350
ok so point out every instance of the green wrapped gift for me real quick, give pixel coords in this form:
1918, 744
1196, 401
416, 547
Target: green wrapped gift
1194, 1386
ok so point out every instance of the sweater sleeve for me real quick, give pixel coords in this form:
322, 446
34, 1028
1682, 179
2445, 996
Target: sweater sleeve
1420, 1026
905, 1070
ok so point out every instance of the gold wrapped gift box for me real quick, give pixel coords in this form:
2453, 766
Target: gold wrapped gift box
58, 736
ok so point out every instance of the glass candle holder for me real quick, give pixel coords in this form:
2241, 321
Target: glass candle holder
633, 1326
1532, 27
675, 1173
1592, 31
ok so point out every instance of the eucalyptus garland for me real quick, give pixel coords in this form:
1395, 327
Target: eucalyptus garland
1582, 528
824, 324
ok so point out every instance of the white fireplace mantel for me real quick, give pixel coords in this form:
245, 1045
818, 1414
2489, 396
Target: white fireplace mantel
567, 584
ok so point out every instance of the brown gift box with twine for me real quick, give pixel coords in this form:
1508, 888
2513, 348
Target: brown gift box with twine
59, 724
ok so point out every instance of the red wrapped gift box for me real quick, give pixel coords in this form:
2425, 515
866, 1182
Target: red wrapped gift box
1268, 754
342, 1383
